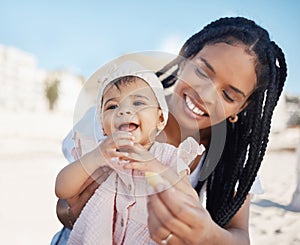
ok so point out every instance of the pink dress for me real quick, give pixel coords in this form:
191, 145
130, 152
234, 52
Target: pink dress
117, 212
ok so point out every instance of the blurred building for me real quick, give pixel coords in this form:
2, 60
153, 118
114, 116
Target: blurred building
280, 116
23, 83
69, 89
293, 105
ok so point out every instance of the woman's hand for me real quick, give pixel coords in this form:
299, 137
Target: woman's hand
68, 210
173, 211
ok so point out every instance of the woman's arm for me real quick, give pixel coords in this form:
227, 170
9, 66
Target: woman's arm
238, 226
176, 212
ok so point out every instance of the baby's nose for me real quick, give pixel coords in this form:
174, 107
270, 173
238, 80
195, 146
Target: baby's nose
124, 111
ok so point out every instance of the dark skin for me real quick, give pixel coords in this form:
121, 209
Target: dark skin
188, 221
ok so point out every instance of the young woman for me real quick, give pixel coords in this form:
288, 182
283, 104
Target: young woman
227, 80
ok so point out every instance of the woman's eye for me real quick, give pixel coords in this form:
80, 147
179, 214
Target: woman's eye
228, 97
200, 73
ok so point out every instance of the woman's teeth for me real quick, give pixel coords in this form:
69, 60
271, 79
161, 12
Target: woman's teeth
193, 107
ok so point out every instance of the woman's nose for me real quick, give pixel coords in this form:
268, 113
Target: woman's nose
208, 93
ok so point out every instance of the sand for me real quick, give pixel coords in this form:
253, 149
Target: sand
30, 158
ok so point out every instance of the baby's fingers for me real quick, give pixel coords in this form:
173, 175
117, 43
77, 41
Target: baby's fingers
149, 166
137, 153
122, 135
136, 165
116, 154
124, 145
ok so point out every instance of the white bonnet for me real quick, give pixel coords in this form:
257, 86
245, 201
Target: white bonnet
132, 68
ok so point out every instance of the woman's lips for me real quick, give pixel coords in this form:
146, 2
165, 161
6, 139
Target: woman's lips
193, 108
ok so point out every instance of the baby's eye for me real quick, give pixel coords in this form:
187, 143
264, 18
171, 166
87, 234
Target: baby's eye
138, 103
111, 107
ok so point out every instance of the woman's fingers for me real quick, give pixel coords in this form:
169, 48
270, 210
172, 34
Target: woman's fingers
158, 233
166, 216
184, 207
179, 213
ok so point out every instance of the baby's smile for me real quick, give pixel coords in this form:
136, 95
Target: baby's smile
129, 127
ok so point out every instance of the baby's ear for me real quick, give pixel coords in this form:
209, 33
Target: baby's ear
161, 120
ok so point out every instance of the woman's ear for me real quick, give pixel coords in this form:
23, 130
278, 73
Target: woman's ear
247, 102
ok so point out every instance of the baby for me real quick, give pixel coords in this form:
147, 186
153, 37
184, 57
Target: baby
132, 111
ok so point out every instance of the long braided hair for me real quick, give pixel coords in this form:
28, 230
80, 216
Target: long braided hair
247, 139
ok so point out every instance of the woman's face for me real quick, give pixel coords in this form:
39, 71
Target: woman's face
213, 85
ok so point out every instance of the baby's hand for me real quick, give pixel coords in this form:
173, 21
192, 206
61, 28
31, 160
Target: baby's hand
141, 159
113, 147
138, 153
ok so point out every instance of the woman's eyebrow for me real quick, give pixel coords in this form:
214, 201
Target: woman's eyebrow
237, 90
207, 64
212, 69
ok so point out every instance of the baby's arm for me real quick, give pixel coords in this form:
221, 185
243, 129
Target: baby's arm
71, 178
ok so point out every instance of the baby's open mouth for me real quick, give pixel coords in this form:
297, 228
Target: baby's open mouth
129, 127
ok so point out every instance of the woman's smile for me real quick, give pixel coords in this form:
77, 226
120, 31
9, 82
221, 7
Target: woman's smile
198, 110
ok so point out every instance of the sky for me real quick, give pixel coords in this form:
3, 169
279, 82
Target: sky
81, 36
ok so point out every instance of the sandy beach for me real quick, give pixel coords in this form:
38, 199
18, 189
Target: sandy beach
30, 158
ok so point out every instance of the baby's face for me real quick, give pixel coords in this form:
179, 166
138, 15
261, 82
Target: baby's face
131, 107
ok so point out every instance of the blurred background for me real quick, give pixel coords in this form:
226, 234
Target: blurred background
48, 49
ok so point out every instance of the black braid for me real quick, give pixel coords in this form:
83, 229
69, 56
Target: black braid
246, 140
171, 79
